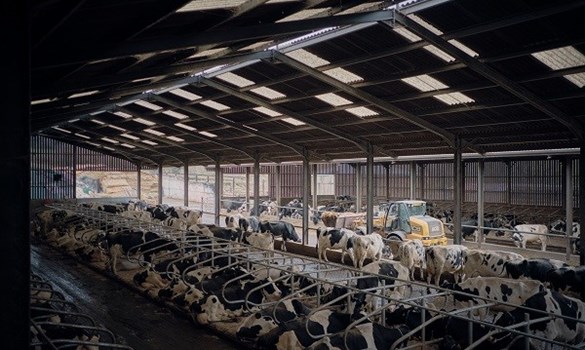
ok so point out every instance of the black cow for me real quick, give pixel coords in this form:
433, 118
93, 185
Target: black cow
536, 269
280, 229
568, 280
293, 207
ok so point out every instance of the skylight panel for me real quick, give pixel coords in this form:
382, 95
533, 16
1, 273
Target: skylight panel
176, 114
293, 121
307, 58
61, 129
305, 14
439, 53
249, 127
123, 115
131, 137
110, 140
454, 98
464, 48
200, 5
109, 148
176, 139
235, 79
209, 52
407, 34
343, 75
154, 132
148, 142
73, 120
333, 99
82, 94
93, 144
269, 112
425, 83
148, 105
256, 45
37, 102
127, 145
561, 58
268, 93
144, 121
437, 31
185, 126
117, 128
185, 94
362, 112
359, 8
207, 133
98, 122
82, 136
215, 105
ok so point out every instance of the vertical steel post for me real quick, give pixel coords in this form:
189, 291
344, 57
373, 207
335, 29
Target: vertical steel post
306, 193
387, 167
248, 189
218, 189
458, 171
277, 185
480, 199
314, 188
582, 202
139, 180
186, 183
568, 204
370, 189
160, 183
256, 183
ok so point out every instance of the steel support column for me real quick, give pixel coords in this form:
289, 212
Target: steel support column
248, 189
314, 188
568, 170
582, 201
139, 180
457, 193
306, 194
277, 184
370, 189
218, 190
160, 183
387, 167
480, 199
256, 184
186, 184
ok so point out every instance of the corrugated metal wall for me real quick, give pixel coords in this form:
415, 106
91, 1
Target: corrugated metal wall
54, 164
52, 169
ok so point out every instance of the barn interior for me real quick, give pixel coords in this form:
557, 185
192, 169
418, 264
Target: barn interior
245, 84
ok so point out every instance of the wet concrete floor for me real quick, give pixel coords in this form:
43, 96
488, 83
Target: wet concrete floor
136, 320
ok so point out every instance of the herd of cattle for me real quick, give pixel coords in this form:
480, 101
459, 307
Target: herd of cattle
231, 278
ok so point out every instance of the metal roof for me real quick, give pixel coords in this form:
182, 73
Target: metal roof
232, 81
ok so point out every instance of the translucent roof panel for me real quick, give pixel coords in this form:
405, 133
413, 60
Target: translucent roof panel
215, 105
154, 132
123, 115
369, 6
117, 128
209, 52
109, 140
131, 137
61, 129
561, 58
267, 111
269, 93
176, 114
200, 5
425, 83
437, 31
127, 145
148, 105
307, 58
81, 94
309, 13
235, 79
185, 94
175, 138
148, 142
207, 133
293, 121
454, 98
333, 99
144, 121
343, 75
362, 112
185, 126
82, 136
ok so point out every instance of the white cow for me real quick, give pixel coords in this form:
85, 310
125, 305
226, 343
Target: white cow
530, 233
368, 246
444, 258
335, 238
412, 254
487, 263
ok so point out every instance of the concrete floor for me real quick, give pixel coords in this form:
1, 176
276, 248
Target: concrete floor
136, 321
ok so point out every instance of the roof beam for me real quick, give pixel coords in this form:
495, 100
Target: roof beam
97, 53
224, 121
362, 144
493, 75
379, 103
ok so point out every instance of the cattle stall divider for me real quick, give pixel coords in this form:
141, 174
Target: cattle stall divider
322, 276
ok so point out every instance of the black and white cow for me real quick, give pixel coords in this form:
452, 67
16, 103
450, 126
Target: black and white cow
364, 336
536, 269
487, 263
292, 209
280, 229
394, 276
334, 238
560, 226
570, 331
496, 289
447, 258
568, 280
